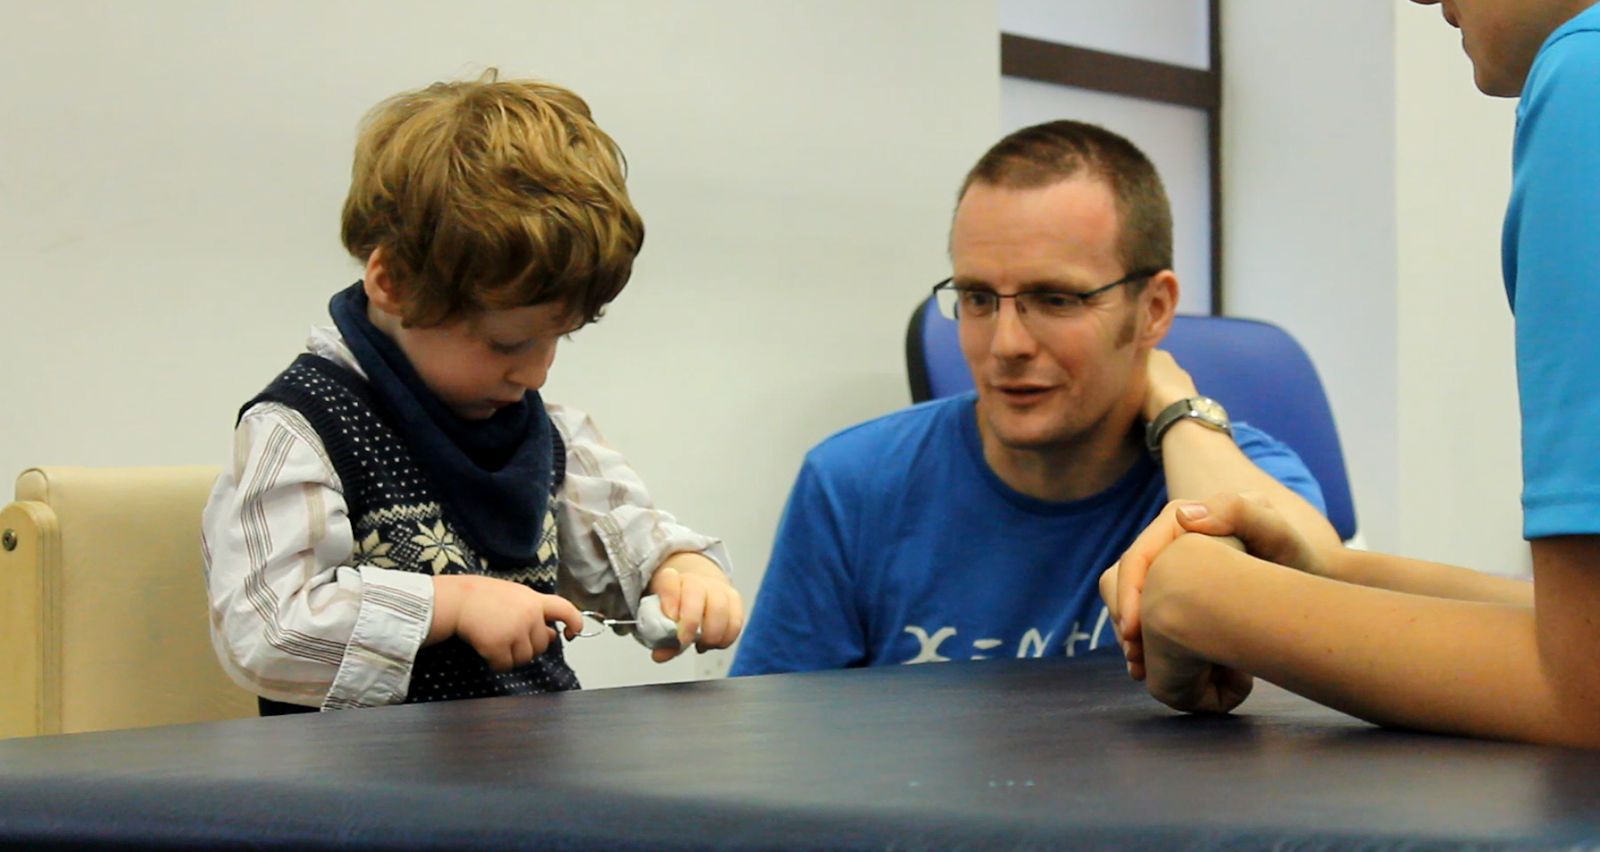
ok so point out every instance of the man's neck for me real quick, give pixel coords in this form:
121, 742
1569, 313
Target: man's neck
1067, 471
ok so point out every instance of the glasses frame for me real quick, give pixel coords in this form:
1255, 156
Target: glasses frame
1083, 298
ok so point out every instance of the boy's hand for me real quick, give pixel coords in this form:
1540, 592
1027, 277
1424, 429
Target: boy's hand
697, 595
1248, 521
1189, 684
1174, 675
505, 622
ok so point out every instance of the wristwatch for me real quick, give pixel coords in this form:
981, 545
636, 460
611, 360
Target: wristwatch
1207, 411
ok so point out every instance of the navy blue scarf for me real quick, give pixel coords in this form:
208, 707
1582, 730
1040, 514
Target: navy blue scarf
492, 476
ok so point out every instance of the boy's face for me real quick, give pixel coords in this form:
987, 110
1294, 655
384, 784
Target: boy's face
476, 364
482, 363
1501, 37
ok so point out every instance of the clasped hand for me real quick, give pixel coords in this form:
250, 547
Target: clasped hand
1167, 553
509, 624
707, 608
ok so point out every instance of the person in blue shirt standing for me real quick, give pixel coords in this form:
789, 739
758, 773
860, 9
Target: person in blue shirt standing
976, 526
1400, 641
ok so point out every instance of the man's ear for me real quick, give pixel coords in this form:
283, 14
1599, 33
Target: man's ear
379, 285
1160, 302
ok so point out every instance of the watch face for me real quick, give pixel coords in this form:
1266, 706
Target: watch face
1210, 409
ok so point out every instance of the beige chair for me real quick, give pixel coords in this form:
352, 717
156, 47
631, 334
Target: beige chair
103, 605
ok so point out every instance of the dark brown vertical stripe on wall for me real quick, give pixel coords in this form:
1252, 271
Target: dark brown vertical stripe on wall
1214, 119
1129, 76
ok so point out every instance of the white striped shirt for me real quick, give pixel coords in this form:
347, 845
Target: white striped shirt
295, 619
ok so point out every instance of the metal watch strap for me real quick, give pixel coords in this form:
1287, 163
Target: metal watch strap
1183, 409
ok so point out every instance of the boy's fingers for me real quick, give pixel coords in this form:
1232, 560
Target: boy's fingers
735, 615
1135, 563
539, 636
667, 584
1263, 532
1108, 590
508, 656
560, 609
662, 655
691, 609
716, 620
1130, 582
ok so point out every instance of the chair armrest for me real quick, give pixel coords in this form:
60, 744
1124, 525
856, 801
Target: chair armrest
30, 620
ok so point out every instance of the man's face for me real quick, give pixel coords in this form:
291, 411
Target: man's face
1501, 37
1048, 384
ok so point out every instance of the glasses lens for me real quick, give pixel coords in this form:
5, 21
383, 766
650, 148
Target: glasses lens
1052, 304
947, 298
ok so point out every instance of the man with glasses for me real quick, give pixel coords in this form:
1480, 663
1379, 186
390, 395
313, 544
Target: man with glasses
976, 526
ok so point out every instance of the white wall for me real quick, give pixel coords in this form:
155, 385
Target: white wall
171, 174
1460, 469
1365, 180
1172, 31
1309, 207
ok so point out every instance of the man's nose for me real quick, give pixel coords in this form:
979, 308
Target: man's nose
1012, 338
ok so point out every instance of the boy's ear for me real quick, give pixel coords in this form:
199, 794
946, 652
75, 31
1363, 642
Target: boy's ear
379, 286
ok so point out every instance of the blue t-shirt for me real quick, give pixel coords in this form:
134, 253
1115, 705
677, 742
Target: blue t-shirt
1551, 259
899, 544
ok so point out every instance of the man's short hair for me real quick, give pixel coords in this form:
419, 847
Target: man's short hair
1048, 153
490, 194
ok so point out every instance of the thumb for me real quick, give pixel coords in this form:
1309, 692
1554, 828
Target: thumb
1263, 532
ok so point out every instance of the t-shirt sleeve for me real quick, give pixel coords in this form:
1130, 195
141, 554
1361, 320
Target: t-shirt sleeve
804, 617
1553, 256
1280, 462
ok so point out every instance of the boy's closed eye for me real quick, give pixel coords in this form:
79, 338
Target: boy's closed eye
513, 348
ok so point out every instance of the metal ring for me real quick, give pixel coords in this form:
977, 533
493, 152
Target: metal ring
600, 624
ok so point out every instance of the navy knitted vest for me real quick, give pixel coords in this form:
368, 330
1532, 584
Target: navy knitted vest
398, 522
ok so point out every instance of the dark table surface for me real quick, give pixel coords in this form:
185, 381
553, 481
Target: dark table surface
1010, 754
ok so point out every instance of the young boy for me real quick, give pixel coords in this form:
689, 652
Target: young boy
404, 516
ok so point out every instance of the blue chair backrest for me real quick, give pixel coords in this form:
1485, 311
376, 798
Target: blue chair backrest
1255, 369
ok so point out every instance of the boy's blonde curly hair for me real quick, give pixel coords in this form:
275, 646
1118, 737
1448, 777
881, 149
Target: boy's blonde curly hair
492, 194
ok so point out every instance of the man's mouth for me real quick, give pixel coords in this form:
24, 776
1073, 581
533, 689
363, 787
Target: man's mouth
1022, 392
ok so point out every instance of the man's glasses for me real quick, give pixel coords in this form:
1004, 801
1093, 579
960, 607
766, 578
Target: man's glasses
981, 303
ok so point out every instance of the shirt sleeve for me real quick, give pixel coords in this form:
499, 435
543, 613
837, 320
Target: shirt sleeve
1278, 461
612, 538
805, 617
1552, 253
292, 617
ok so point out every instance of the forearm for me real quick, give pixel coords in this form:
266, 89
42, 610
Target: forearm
1200, 462
448, 590
1397, 659
612, 535
1419, 577
296, 614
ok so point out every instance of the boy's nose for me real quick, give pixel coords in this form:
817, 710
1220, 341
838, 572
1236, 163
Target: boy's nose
531, 373
529, 379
